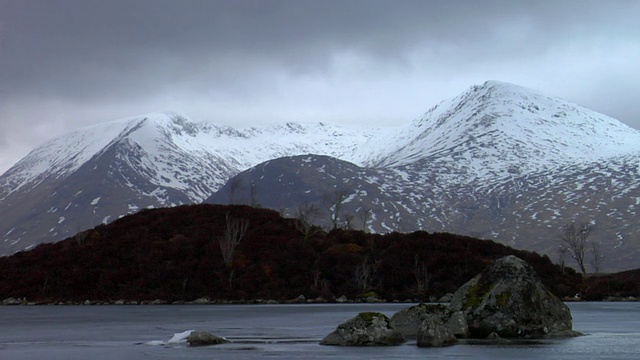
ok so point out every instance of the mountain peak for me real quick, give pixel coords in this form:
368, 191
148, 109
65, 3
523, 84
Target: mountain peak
522, 128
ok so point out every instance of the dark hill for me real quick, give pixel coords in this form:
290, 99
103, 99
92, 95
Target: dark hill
616, 286
174, 254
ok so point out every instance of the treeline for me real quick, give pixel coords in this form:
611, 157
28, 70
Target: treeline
175, 254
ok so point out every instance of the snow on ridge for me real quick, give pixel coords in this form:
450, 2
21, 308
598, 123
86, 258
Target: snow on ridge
521, 128
515, 125
62, 155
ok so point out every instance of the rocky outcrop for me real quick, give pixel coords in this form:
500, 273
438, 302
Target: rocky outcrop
456, 322
203, 338
434, 334
407, 321
366, 329
508, 299
505, 301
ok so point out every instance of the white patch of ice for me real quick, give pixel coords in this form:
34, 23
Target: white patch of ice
177, 338
180, 337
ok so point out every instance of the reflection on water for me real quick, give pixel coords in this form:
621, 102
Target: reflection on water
277, 331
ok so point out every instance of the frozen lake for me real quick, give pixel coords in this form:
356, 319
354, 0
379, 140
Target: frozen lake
277, 332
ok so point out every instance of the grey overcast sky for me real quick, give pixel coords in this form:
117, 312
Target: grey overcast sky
69, 63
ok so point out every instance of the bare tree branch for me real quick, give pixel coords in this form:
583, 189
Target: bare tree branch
334, 204
233, 234
365, 274
364, 213
575, 237
422, 275
598, 257
306, 215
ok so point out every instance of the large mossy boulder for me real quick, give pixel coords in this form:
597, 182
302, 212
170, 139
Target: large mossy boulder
507, 299
366, 329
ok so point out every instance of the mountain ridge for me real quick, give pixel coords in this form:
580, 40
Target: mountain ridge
466, 157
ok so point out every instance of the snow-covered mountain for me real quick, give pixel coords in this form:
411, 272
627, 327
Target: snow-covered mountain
499, 161
99, 173
500, 129
176, 152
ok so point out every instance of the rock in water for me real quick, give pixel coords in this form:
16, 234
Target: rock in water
203, 338
507, 298
407, 321
457, 323
11, 301
434, 334
366, 329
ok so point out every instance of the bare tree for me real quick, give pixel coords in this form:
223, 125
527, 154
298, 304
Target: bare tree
365, 274
316, 273
574, 237
334, 205
364, 213
306, 215
422, 275
598, 257
233, 234
348, 220
562, 253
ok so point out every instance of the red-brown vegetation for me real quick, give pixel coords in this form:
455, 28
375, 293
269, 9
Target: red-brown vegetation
174, 254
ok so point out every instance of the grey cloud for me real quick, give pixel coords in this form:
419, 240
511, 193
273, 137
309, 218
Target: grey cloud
74, 62
93, 48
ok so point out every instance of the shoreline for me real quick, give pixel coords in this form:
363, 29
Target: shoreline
298, 301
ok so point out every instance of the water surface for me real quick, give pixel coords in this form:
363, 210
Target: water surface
277, 332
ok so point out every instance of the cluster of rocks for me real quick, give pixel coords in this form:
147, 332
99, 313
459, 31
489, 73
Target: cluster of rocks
505, 301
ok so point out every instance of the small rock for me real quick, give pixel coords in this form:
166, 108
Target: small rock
11, 301
119, 302
202, 301
342, 299
203, 338
366, 329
